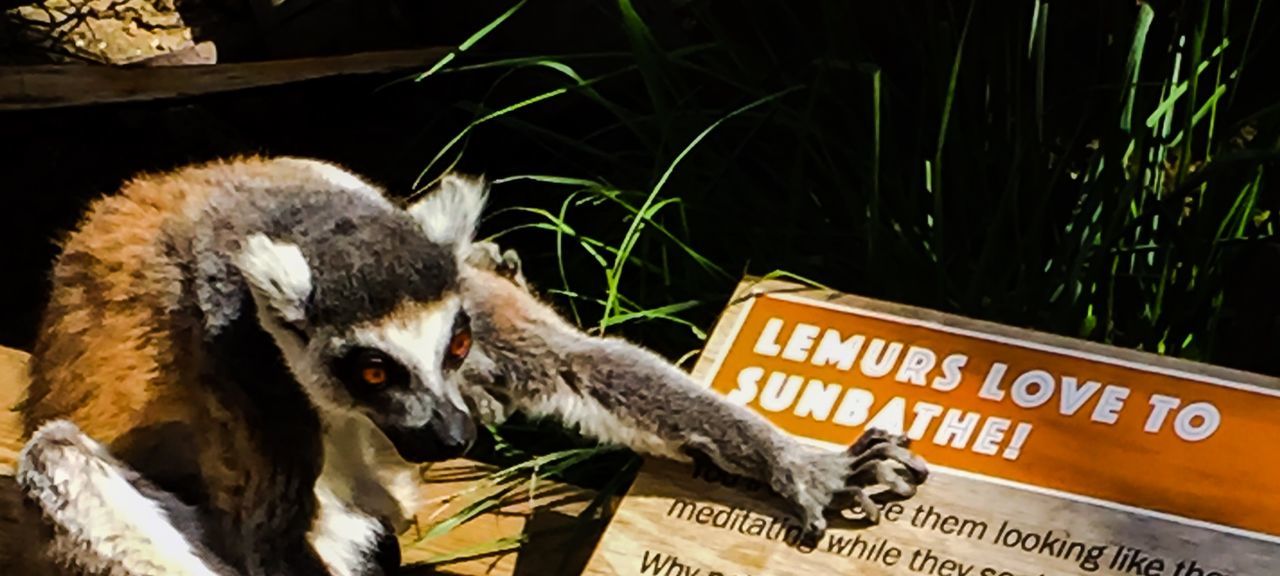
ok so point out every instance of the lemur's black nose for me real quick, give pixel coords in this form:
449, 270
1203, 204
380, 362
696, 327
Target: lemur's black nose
456, 430
449, 434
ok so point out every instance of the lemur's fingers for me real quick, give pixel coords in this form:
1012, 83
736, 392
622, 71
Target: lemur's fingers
874, 436
870, 474
880, 443
489, 256
856, 498
815, 524
868, 507
513, 269
511, 263
915, 465
881, 472
485, 255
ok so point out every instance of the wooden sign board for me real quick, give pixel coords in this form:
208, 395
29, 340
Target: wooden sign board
1050, 456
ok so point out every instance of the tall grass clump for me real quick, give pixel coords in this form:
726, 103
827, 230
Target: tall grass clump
1088, 168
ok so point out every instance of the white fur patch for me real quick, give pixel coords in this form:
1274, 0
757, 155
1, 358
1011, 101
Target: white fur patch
418, 340
342, 536
278, 274
450, 213
595, 421
358, 457
400, 480
108, 527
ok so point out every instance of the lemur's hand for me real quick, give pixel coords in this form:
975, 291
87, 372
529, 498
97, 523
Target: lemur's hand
843, 481
489, 256
881, 458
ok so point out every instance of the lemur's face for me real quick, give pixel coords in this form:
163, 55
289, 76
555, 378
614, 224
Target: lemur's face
378, 339
395, 371
363, 301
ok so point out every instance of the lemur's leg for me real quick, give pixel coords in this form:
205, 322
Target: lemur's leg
618, 392
106, 520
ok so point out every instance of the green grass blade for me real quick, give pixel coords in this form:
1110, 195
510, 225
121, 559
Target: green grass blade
417, 183
1134, 63
471, 41
936, 167
1197, 52
632, 234
873, 203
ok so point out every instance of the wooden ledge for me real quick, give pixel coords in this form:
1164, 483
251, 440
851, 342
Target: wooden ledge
56, 86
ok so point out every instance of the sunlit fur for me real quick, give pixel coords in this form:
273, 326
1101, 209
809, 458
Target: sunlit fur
105, 523
193, 323
529, 359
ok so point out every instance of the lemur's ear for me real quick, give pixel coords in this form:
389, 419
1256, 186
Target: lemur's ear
279, 277
450, 212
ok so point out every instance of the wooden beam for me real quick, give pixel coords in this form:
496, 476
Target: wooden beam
55, 86
13, 381
556, 541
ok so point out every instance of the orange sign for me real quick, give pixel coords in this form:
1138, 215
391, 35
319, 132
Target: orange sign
1138, 436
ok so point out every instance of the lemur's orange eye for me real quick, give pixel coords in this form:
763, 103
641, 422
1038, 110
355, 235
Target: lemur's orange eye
374, 375
459, 344
365, 369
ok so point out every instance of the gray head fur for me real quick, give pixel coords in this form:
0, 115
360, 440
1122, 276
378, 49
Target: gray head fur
342, 278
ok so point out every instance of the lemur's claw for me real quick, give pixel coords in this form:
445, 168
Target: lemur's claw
881, 458
489, 256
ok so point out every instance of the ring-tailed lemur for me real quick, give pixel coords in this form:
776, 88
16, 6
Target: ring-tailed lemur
228, 333
528, 358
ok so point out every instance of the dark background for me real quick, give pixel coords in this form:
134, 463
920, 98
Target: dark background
58, 159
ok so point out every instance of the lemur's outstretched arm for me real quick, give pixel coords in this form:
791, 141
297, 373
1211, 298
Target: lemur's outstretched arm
530, 359
97, 517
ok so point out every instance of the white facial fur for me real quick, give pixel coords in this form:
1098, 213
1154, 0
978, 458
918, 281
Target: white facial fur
417, 337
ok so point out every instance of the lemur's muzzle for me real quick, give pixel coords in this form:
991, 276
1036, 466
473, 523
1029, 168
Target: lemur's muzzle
449, 434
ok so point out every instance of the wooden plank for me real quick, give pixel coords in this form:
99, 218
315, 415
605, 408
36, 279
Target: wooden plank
1098, 486
54, 86
13, 378
556, 541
